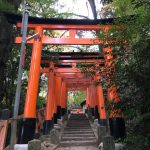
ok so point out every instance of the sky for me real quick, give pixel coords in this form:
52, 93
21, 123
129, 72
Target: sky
80, 7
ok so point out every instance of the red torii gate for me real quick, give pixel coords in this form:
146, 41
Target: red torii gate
73, 76
59, 78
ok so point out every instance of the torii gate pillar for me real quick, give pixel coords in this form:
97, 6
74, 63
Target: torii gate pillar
29, 118
96, 114
58, 83
92, 100
63, 98
49, 123
116, 120
101, 106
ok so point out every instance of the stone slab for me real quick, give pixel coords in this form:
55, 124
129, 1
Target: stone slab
34, 145
21, 147
78, 148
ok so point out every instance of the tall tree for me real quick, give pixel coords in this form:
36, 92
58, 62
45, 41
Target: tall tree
6, 42
132, 69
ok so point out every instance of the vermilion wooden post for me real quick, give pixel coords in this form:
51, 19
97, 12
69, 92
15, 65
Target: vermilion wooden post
66, 96
29, 121
101, 103
63, 98
55, 103
101, 106
95, 102
87, 98
117, 124
92, 102
58, 83
48, 123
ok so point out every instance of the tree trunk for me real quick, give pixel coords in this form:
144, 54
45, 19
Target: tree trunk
93, 7
6, 41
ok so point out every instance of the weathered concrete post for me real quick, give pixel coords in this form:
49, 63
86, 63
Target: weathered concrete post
34, 145
101, 132
108, 143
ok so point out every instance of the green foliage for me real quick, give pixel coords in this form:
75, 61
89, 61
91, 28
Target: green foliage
87, 69
6, 6
75, 98
42, 8
9, 57
46, 9
132, 73
132, 69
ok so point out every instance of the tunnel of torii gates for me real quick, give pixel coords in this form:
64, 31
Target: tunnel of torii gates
63, 75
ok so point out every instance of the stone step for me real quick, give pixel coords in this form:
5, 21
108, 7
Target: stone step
66, 128
78, 148
79, 135
78, 143
78, 125
75, 118
84, 119
78, 117
77, 138
79, 121
72, 122
77, 132
78, 129
75, 124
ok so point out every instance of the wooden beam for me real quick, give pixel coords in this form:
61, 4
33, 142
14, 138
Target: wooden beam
67, 27
75, 61
64, 41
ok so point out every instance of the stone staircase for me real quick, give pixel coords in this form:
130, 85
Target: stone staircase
78, 132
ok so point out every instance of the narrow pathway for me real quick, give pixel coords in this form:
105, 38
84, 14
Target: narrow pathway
78, 134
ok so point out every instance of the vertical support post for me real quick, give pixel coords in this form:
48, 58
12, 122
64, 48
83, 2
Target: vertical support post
58, 83
88, 102
116, 121
92, 105
96, 114
29, 118
19, 80
101, 103
48, 123
87, 99
63, 98
55, 103
72, 34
